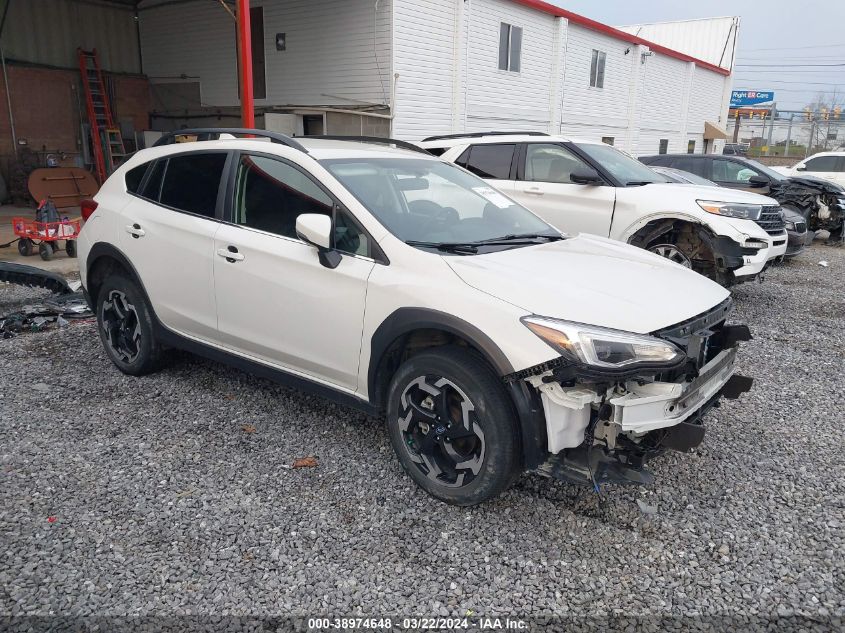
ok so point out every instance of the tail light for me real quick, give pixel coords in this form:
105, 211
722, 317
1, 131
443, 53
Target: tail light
88, 207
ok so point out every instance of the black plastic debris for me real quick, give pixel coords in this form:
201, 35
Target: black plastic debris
53, 312
33, 277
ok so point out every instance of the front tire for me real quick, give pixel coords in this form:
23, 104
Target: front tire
26, 247
452, 426
125, 323
45, 249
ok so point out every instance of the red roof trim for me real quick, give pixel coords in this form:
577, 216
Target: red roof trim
575, 18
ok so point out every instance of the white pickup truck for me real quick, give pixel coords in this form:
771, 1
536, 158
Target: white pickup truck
590, 187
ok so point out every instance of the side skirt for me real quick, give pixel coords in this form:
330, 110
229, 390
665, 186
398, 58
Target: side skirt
172, 339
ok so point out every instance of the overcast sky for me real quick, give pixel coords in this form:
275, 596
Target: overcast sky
818, 27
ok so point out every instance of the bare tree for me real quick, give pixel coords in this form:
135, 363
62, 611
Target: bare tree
828, 115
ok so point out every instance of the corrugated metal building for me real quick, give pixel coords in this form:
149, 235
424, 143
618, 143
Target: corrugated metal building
408, 68
432, 67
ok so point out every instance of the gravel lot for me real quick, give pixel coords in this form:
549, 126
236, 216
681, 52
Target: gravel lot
169, 495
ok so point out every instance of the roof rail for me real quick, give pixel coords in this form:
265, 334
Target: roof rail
480, 134
372, 139
213, 133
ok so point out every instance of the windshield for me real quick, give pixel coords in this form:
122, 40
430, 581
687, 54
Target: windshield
627, 170
771, 173
423, 200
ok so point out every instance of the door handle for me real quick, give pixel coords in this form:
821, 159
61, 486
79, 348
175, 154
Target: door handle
230, 254
534, 191
135, 230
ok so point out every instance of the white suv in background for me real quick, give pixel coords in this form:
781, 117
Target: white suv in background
591, 187
827, 165
391, 281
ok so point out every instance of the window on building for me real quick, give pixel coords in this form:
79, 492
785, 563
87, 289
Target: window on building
489, 161
510, 47
597, 69
664, 146
690, 147
547, 162
191, 182
607, 140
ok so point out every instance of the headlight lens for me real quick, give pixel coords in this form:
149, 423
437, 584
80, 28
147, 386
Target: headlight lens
790, 226
732, 209
602, 347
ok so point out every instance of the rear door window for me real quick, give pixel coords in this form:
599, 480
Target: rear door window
152, 188
695, 166
191, 182
491, 161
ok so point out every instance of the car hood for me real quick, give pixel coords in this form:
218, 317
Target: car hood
717, 194
593, 280
816, 184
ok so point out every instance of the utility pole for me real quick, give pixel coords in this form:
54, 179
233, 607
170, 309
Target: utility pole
245, 53
772, 113
736, 125
812, 134
788, 136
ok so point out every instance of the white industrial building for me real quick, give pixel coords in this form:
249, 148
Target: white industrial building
414, 68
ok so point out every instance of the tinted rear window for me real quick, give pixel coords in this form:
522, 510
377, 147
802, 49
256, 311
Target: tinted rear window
489, 161
191, 182
152, 188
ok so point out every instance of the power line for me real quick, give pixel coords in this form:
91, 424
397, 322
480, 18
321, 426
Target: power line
795, 48
786, 65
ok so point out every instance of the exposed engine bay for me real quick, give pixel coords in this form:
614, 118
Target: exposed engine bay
821, 201
604, 428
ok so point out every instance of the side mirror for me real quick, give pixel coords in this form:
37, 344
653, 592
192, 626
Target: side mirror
585, 176
316, 229
801, 168
758, 181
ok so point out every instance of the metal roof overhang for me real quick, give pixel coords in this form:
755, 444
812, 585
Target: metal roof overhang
713, 131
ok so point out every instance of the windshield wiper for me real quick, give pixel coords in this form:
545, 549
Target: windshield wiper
461, 248
524, 236
640, 183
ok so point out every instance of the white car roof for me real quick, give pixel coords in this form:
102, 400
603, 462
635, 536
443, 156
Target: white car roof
504, 138
317, 148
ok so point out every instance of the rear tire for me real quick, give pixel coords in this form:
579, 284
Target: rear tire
70, 248
45, 249
453, 426
125, 323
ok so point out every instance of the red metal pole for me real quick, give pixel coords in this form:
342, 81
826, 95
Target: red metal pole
245, 53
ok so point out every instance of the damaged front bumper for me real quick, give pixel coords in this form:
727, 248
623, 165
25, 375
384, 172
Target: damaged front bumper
605, 430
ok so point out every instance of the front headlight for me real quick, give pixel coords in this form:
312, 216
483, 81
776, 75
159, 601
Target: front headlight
602, 348
732, 209
790, 226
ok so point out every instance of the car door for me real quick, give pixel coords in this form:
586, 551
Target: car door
275, 301
544, 186
167, 232
829, 167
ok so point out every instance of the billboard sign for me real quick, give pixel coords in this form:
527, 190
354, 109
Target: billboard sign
741, 98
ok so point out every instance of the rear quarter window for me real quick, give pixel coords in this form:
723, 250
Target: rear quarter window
134, 177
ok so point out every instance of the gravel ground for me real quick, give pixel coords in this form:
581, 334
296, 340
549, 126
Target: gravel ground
169, 495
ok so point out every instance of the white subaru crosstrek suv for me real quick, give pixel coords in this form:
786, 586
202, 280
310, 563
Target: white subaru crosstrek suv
591, 187
387, 279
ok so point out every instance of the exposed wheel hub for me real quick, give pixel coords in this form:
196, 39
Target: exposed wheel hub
121, 325
673, 253
440, 430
